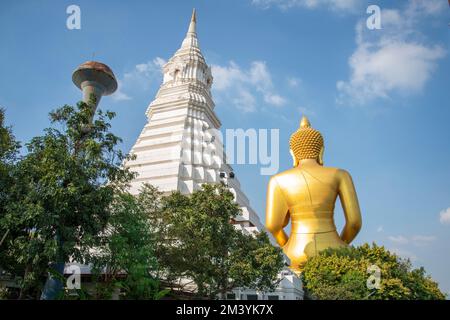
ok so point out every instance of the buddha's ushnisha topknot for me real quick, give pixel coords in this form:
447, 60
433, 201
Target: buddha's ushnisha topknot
306, 142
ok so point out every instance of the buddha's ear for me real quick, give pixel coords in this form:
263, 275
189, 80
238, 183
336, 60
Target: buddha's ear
320, 160
294, 159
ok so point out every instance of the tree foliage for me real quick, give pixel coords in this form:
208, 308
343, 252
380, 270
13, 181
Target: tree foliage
342, 274
124, 259
200, 244
8, 155
8, 144
61, 194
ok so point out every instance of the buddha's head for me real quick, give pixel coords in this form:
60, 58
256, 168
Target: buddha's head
306, 143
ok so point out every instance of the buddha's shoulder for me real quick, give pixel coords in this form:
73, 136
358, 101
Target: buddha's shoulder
333, 171
286, 176
286, 173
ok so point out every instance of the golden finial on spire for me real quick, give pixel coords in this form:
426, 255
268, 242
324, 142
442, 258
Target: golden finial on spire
304, 123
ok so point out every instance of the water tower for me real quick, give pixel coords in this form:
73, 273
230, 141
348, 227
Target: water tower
95, 79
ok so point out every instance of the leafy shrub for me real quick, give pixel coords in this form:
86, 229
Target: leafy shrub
342, 274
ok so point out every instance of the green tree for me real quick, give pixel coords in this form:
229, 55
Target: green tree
124, 259
342, 274
8, 156
201, 244
8, 151
61, 196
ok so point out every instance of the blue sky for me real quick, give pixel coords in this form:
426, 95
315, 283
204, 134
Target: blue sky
380, 97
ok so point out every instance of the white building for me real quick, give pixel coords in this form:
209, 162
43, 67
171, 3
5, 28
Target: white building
180, 148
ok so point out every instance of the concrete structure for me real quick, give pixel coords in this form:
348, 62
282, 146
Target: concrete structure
180, 148
289, 288
95, 79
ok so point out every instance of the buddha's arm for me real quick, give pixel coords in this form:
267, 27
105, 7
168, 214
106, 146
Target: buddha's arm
277, 216
350, 205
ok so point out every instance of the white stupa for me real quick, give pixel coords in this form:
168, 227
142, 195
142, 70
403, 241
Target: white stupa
180, 146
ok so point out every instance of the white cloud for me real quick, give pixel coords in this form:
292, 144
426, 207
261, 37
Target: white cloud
427, 6
421, 240
415, 240
260, 76
119, 95
337, 5
391, 60
225, 77
245, 87
139, 78
398, 239
274, 99
404, 254
444, 216
244, 100
377, 71
306, 111
293, 82
380, 229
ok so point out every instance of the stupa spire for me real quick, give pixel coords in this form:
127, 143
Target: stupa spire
193, 23
191, 36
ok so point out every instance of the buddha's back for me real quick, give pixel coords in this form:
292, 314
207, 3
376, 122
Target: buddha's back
314, 187
310, 193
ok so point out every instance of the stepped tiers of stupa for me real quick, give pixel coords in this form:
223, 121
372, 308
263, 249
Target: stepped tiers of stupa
179, 148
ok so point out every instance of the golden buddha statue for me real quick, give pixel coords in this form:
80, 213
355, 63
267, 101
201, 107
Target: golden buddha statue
306, 195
